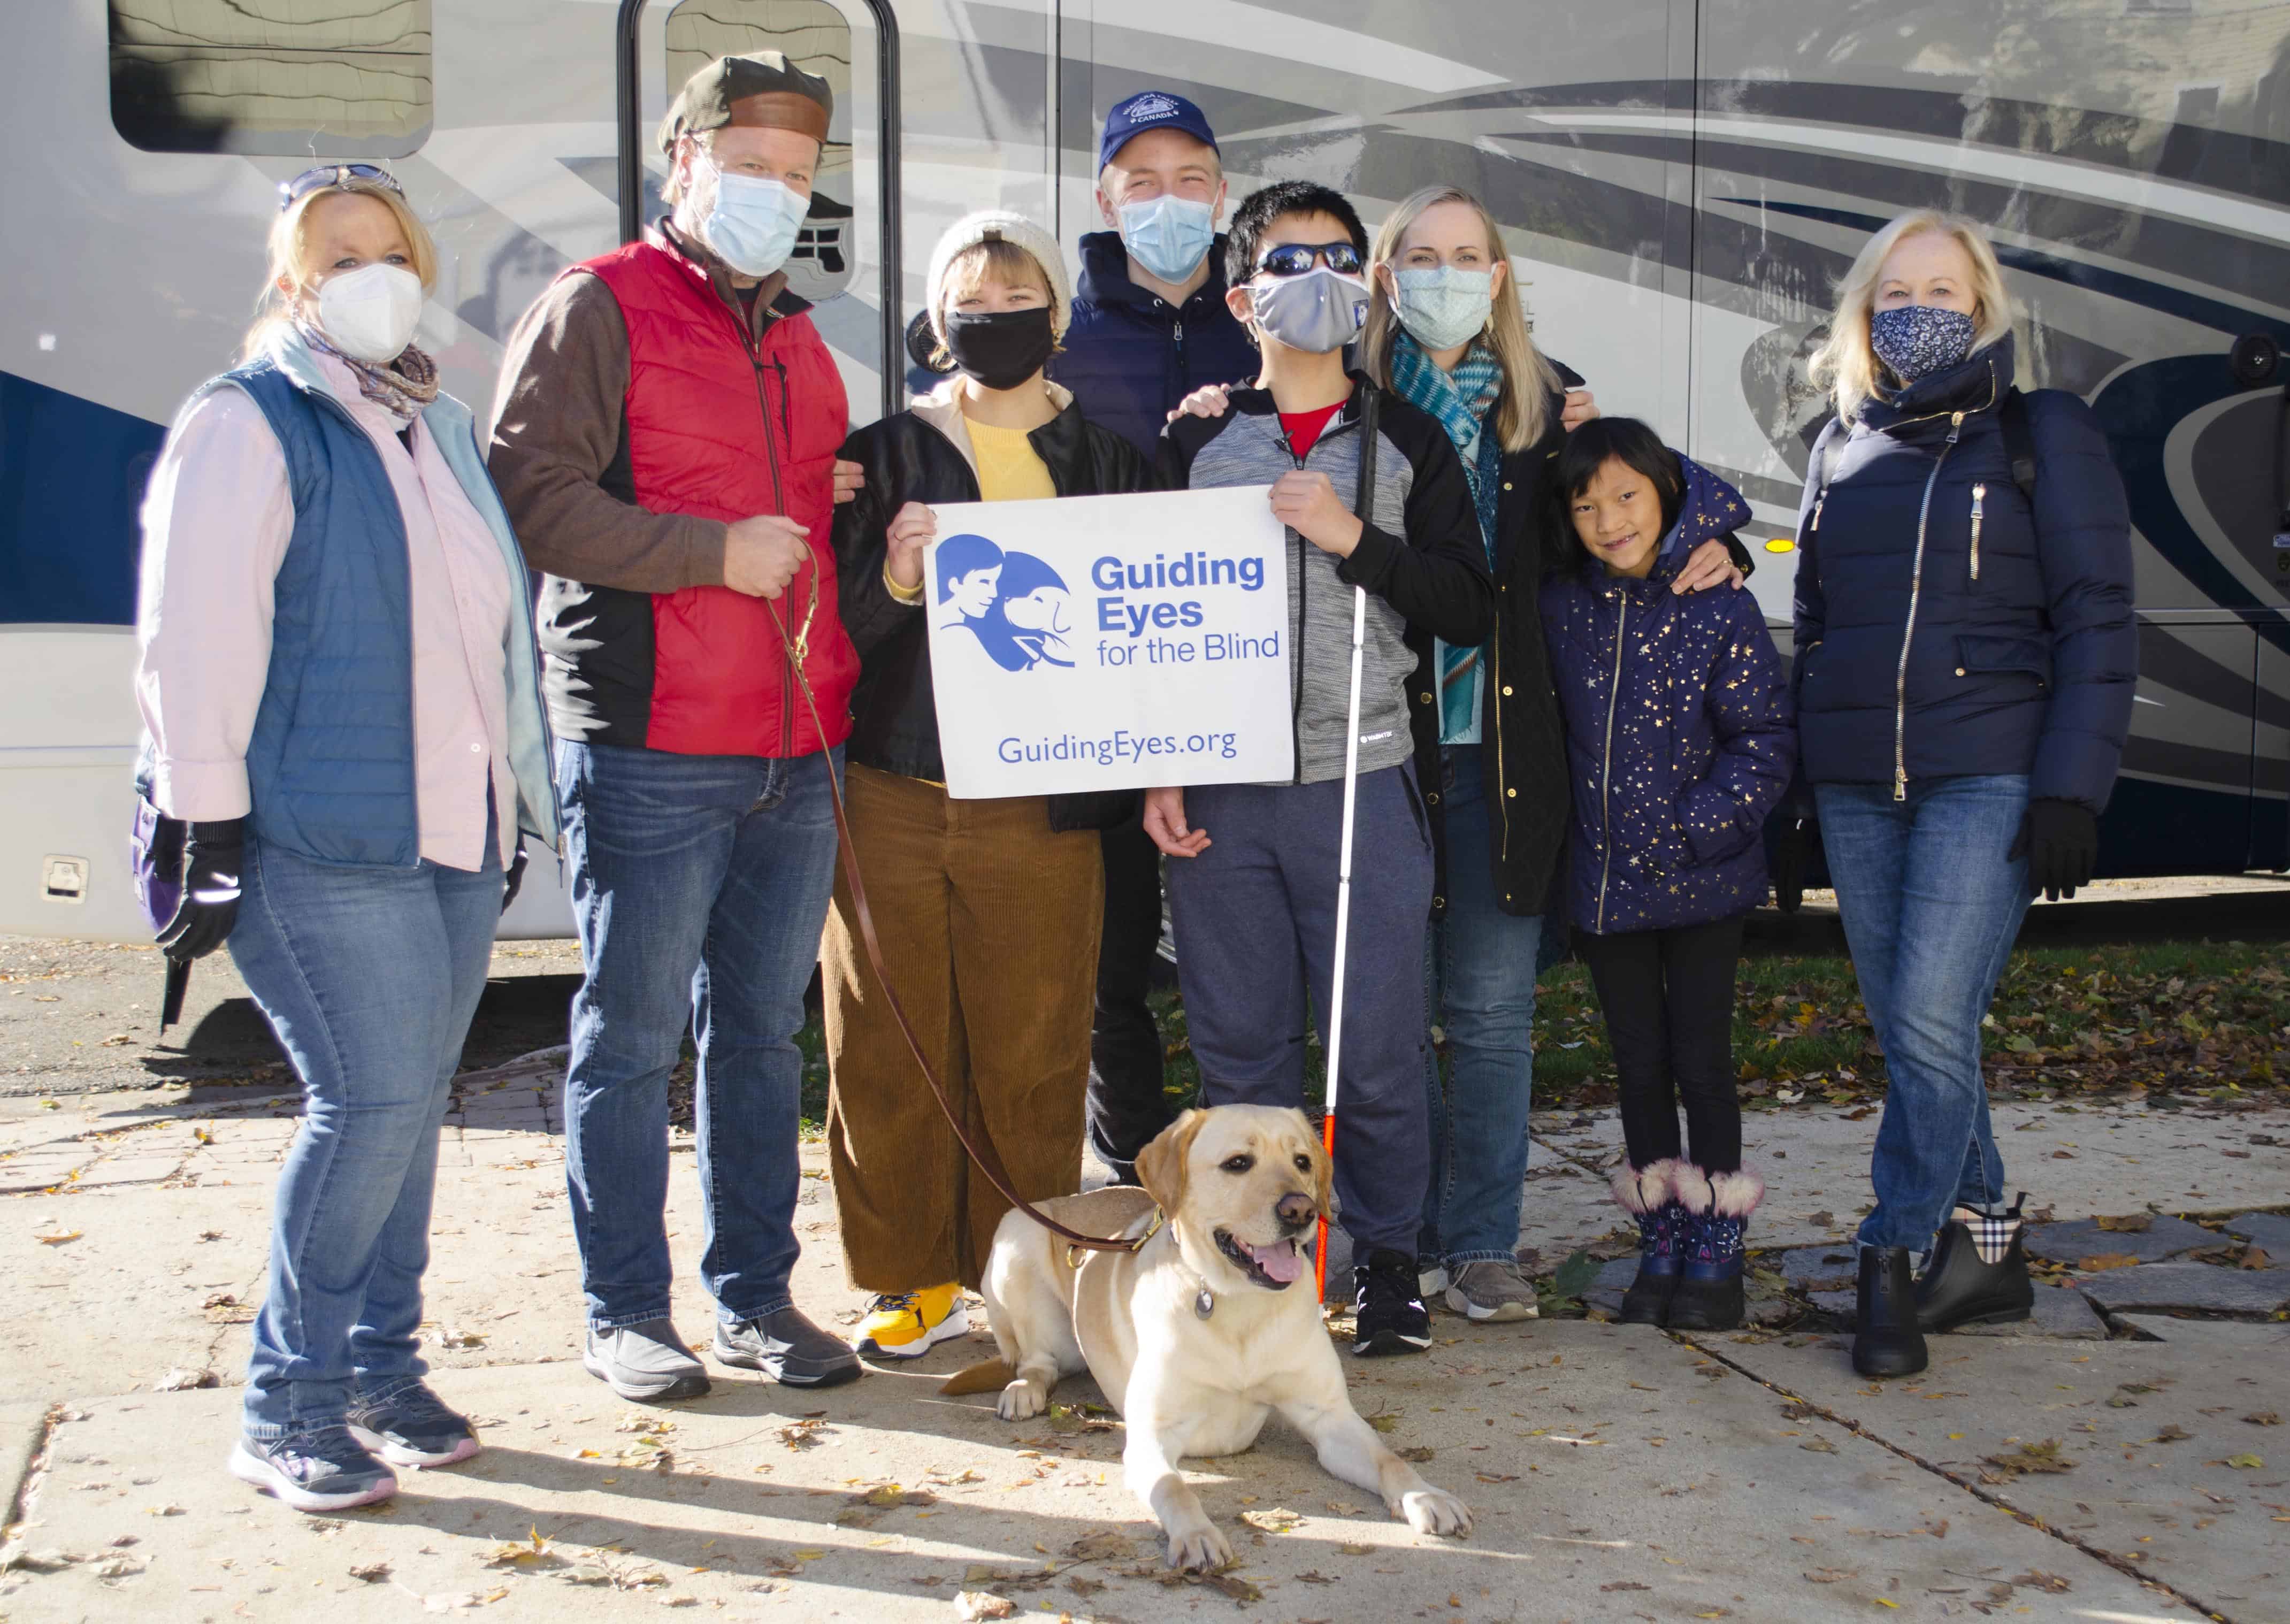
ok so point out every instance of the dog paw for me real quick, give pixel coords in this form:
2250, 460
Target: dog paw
1199, 1549
1435, 1511
1020, 1401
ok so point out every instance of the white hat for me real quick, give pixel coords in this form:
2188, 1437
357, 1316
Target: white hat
993, 225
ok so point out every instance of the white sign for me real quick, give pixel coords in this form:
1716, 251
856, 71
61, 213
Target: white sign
1109, 643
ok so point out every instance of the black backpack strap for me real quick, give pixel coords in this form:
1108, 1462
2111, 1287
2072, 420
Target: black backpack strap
2019, 442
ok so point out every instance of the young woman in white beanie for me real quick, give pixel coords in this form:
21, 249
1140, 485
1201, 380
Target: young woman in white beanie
988, 912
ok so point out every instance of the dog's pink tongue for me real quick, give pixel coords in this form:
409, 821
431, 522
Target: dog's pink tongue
1281, 1260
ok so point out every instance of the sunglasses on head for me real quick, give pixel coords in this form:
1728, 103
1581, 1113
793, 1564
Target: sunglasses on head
330, 175
1294, 259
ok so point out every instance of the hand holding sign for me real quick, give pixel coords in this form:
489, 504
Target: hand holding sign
911, 529
1306, 501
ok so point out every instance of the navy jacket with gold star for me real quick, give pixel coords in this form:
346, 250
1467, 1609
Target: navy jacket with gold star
1680, 736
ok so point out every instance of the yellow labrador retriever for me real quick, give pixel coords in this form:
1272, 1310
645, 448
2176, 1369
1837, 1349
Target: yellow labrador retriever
1202, 1331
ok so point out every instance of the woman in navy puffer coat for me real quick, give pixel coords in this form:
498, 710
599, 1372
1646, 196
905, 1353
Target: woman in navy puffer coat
1966, 655
1678, 743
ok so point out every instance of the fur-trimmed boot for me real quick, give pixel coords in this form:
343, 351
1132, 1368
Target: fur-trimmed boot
1647, 1195
1978, 1275
1718, 1206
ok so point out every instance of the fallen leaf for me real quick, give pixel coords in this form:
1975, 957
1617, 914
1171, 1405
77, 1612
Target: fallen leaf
2044, 1457
57, 1237
1419, 1452
2246, 1463
2256, 1258
1819, 1446
181, 1380
371, 1572
1382, 1423
2263, 1418
2105, 1260
2135, 1223
2173, 1433
975, 1605
2038, 1579
1103, 1545
1354, 1551
1626, 1584
1829, 1576
1278, 1519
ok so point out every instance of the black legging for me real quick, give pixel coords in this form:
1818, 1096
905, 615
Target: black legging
1669, 1000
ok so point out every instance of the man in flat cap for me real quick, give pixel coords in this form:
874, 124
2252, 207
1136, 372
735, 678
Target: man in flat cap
665, 445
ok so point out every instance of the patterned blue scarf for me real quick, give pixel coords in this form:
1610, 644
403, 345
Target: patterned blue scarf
1462, 401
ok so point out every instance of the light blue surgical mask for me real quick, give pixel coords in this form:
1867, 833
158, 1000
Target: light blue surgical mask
1446, 306
753, 225
1169, 235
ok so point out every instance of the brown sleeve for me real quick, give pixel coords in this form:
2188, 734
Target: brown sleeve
556, 430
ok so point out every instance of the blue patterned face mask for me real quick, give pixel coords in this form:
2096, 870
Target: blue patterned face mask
1917, 340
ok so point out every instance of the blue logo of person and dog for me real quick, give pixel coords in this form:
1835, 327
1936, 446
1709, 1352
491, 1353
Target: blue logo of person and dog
1014, 603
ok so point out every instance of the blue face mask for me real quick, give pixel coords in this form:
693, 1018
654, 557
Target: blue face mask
1443, 307
753, 225
1168, 235
1917, 340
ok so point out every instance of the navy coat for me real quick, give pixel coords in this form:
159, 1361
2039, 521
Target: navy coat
2017, 656
1130, 357
1679, 738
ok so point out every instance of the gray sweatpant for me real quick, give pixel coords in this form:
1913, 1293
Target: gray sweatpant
1255, 922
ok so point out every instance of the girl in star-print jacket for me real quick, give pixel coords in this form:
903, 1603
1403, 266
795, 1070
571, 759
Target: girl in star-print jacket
1680, 739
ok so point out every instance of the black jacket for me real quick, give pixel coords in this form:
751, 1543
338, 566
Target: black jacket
1520, 732
1945, 624
1129, 356
908, 459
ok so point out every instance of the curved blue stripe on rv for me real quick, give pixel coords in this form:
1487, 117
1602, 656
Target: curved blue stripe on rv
71, 479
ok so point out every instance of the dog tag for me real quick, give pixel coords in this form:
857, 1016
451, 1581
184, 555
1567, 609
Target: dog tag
1205, 1304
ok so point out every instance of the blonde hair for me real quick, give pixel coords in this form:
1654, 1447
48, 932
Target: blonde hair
994, 259
1522, 408
290, 247
1845, 367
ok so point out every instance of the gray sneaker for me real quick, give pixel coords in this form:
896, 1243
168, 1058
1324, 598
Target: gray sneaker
322, 1469
410, 1426
1492, 1289
789, 1349
645, 1363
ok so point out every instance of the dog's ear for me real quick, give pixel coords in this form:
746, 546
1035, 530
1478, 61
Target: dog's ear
1161, 1164
1323, 1174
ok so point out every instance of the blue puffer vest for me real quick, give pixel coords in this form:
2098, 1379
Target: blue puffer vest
1678, 732
1945, 624
330, 767
1129, 356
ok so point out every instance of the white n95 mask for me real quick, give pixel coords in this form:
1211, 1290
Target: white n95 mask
370, 314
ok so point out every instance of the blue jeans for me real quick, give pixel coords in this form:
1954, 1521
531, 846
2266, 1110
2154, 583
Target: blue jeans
1930, 906
1480, 982
700, 888
369, 976
1255, 918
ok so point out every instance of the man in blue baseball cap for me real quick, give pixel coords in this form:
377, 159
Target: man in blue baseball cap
1149, 326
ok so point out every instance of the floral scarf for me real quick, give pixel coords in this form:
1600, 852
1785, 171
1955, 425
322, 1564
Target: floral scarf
400, 388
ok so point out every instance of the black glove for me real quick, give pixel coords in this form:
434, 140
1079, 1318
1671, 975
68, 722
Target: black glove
1792, 856
212, 854
2059, 839
514, 878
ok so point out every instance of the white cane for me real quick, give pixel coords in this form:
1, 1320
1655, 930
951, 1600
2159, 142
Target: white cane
1343, 907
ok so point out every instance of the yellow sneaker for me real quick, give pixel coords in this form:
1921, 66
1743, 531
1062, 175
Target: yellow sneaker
907, 1324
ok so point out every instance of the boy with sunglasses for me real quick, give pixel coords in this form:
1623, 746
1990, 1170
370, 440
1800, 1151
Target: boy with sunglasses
1253, 897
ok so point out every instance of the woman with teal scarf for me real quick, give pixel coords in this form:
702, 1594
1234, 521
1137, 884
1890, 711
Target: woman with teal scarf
1446, 333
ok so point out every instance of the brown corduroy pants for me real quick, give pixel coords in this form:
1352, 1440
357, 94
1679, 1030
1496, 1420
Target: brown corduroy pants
989, 926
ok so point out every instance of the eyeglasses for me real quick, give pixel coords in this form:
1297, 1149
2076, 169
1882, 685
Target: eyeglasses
1294, 259
326, 175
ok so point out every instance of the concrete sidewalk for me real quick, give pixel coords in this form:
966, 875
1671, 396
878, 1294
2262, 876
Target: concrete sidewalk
1616, 1472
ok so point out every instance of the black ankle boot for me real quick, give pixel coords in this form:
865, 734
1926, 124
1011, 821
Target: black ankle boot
1885, 1339
1710, 1296
1647, 1195
1961, 1287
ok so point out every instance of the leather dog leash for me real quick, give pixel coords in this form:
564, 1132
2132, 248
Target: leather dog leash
981, 1149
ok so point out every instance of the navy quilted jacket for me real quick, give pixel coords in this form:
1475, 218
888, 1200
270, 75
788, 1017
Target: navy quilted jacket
1678, 734
1945, 626
1130, 357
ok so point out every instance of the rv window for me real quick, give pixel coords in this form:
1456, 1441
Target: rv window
285, 78
815, 36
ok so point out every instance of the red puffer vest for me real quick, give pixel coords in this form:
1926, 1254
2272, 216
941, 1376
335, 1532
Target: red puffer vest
724, 426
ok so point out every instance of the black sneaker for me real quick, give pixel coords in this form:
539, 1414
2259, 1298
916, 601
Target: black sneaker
410, 1426
323, 1468
1391, 1318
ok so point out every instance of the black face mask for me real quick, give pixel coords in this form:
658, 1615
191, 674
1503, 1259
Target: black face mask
1003, 349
